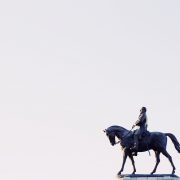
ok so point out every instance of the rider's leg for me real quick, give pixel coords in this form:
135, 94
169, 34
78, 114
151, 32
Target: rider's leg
136, 143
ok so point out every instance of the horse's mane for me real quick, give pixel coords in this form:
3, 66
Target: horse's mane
115, 127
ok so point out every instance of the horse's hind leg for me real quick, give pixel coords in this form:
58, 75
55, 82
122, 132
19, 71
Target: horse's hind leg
132, 160
165, 153
157, 153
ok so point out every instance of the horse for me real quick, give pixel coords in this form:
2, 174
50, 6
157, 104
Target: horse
155, 141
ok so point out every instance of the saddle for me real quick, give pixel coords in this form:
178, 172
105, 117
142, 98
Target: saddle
143, 136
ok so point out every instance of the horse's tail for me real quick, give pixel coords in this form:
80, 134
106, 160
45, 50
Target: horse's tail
174, 140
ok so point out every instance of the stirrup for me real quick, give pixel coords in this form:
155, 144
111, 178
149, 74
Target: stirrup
135, 153
134, 150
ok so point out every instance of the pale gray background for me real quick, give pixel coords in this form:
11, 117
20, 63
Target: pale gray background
69, 69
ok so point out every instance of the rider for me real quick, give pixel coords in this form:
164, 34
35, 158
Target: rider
142, 123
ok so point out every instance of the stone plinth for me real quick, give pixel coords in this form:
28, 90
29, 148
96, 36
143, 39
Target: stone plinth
149, 177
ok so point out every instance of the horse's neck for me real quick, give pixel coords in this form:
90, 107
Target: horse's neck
122, 133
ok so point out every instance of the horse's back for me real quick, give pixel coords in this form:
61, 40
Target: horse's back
158, 140
157, 135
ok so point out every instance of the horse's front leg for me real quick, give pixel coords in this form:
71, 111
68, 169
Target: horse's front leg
125, 153
132, 160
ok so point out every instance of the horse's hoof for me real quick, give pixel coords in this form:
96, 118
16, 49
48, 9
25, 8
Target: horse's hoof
173, 172
119, 173
133, 172
152, 172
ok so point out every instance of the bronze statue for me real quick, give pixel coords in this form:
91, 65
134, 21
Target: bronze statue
146, 141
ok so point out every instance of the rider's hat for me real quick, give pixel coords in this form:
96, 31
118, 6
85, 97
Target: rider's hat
144, 109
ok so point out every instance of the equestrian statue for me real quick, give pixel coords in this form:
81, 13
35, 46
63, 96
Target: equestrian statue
141, 140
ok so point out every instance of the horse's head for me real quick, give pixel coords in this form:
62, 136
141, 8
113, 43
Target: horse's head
114, 131
111, 136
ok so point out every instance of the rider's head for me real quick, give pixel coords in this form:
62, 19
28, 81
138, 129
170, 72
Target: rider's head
143, 109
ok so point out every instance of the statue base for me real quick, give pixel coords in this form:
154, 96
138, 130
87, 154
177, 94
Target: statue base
148, 177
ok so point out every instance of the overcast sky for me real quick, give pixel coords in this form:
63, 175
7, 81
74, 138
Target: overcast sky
69, 69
